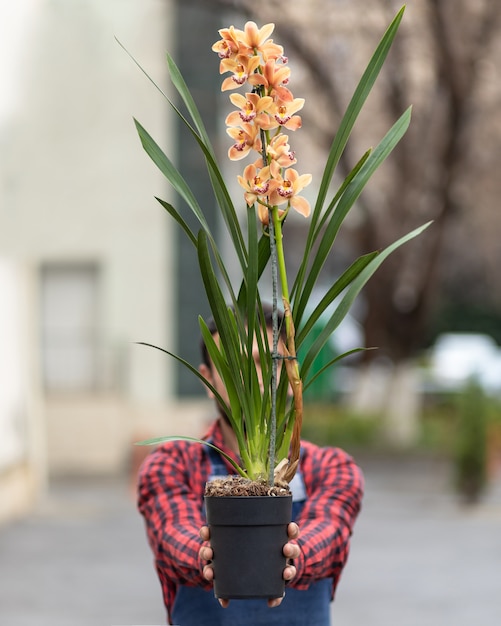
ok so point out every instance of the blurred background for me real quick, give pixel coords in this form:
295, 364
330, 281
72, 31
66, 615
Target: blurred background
90, 263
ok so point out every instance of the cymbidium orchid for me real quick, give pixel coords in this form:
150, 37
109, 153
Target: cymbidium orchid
272, 77
279, 151
270, 106
246, 138
265, 405
241, 67
253, 37
255, 181
252, 108
227, 46
286, 189
283, 113
250, 40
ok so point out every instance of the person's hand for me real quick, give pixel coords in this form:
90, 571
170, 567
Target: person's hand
290, 550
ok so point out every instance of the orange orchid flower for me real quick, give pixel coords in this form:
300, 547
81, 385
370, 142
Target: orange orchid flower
255, 181
246, 138
256, 40
228, 46
273, 78
286, 189
250, 41
271, 50
279, 150
255, 37
252, 109
283, 113
242, 67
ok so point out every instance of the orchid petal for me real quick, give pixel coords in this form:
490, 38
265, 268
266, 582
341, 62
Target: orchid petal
301, 205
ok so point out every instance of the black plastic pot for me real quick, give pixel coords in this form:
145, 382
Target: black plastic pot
248, 534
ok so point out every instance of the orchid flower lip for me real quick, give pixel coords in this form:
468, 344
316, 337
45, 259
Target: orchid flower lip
259, 187
247, 117
286, 191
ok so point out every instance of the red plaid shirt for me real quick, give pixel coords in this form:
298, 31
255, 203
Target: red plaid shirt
171, 486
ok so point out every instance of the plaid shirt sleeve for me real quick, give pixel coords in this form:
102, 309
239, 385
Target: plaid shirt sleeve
170, 498
334, 485
171, 485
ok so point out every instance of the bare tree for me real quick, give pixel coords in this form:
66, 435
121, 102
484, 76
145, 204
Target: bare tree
438, 65
429, 169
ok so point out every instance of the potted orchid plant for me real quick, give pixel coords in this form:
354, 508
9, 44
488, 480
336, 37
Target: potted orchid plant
265, 407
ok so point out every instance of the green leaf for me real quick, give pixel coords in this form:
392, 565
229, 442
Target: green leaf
263, 256
252, 276
314, 233
352, 192
224, 320
331, 363
359, 97
201, 136
220, 363
174, 213
181, 87
327, 213
155, 441
348, 299
337, 288
182, 188
165, 165
338, 146
188, 365
239, 400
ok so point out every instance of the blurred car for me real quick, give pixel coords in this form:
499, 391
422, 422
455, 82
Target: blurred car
457, 358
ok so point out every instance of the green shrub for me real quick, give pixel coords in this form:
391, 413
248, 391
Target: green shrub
331, 425
470, 458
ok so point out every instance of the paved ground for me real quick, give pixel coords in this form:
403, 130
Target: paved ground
418, 557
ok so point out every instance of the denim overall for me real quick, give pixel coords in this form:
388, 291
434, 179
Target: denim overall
197, 607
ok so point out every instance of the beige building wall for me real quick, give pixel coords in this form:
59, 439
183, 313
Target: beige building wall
90, 246
23, 462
